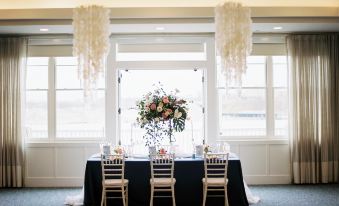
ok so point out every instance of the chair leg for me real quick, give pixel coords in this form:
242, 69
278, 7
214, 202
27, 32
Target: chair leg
205, 195
152, 191
226, 197
126, 195
173, 195
102, 196
123, 195
105, 199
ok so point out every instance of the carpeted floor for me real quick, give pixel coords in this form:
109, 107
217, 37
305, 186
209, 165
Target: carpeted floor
297, 195
271, 195
36, 196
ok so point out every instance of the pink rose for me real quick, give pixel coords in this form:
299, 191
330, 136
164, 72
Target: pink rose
153, 106
169, 111
165, 100
164, 115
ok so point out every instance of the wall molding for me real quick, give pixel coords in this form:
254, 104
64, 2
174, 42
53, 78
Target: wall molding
259, 162
54, 182
267, 180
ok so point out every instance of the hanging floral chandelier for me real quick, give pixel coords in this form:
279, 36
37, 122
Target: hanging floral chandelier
233, 38
91, 42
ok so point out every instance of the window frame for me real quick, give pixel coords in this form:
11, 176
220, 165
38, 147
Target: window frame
47, 100
42, 47
270, 111
202, 65
51, 108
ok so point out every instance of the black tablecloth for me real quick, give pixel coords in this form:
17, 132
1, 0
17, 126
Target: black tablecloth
188, 187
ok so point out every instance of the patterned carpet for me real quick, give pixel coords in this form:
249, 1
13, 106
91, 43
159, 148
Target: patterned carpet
271, 195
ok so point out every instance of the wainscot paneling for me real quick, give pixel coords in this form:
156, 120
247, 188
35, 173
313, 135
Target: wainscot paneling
63, 164
263, 161
69, 162
58, 164
40, 163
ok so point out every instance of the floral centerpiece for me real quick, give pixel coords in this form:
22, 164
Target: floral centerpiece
161, 114
118, 150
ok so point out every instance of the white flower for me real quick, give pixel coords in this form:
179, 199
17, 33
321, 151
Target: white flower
148, 95
144, 121
148, 101
177, 114
157, 119
161, 104
176, 111
147, 109
159, 109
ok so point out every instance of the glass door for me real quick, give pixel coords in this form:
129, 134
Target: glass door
136, 83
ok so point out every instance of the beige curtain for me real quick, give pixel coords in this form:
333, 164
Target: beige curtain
12, 61
314, 84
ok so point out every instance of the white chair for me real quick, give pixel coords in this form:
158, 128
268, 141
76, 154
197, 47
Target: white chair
113, 181
215, 175
162, 171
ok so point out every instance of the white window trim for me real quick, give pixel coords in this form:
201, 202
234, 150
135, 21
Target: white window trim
211, 102
207, 66
51, 111
270, 121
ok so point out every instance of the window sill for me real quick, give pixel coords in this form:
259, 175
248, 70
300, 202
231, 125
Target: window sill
61, 142
253, 140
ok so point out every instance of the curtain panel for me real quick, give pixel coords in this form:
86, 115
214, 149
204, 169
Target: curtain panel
12, 62
314, 98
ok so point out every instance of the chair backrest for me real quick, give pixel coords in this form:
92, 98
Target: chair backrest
216, 165
113, 167
162, 166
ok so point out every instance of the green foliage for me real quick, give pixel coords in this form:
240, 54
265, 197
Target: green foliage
161, 114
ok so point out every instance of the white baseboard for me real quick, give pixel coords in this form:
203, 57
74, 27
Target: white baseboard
267, 180
54, 182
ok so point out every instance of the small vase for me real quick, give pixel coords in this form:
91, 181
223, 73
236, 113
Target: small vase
199, 150
106, 150
172, 148
152, 150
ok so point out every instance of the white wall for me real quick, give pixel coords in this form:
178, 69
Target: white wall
57, 164
263, 161
63, 164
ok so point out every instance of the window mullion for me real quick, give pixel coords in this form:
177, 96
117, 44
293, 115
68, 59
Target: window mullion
51, 100
269, 97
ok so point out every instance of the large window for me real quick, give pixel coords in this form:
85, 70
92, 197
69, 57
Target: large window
259, 106
56, 108
74, 116
55, 102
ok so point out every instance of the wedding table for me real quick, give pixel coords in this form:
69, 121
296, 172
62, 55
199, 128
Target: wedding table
188, 188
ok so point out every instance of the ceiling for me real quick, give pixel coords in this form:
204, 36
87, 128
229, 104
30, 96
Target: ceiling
168, 16
26, 4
